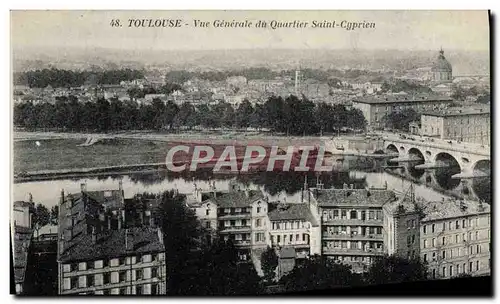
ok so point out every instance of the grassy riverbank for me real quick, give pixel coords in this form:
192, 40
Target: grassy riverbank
60, 151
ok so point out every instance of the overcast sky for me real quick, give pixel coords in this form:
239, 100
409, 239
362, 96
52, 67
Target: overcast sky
405, 30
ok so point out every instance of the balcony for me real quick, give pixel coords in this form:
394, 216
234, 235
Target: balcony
241, 242
352, 237
352, 222
229, 229
234, 215
356, 251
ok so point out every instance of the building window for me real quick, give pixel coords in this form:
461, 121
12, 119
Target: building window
106, 278
477, 265
433, 273
443, 254
344, 214
90, 280
207, 212
425, 229
463, 223
444, 226
444, 240
433, 242
444, 272
123, 291
154, 272
433, 228
207, 225
258, 209
425, 243
354, 214
457, 225
154, 289
425, 257
139, 275
74, 282
257, 222
470, 266
122, 261
451, 271
123, 276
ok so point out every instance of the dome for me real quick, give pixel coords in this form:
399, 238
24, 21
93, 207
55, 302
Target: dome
441, 65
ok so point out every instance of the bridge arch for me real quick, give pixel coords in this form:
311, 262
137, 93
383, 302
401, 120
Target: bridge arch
444, 174
482, 185
392, 148
414, 153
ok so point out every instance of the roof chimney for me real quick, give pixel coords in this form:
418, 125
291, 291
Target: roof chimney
83, 187
61, 201
129, 240
160, 236
94, 235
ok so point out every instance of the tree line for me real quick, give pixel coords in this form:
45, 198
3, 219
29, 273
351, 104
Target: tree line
289, 115
57, 78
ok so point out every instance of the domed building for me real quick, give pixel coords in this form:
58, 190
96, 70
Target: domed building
441, 69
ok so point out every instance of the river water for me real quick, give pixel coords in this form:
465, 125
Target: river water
278, 186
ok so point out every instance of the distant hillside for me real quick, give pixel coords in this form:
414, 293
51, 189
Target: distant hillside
464, 63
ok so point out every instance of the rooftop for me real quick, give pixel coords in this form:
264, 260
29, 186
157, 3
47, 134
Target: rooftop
401, 99
292, 212
354, 197
459, 111
87, 209
113, 243
287, 253
436, 210
236, 199
452, 208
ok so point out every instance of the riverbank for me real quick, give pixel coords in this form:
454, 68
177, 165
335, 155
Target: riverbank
45, 155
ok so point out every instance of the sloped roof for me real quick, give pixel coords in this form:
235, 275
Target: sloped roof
237, 199
293, 212
112, 244
452, 208
354, 197
287, 253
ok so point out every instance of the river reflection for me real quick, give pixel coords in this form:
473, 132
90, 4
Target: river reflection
277, 185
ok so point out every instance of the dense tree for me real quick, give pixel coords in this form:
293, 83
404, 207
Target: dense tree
54, 215
292, 115
394, 269
317, 273
195, 266
269, 262
41, 217
57, 78
398, 85
400, 120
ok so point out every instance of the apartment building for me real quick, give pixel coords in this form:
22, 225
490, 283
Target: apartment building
238, 215
351, 223
470, 124
99, 254
451, 236
294, 226
376, 108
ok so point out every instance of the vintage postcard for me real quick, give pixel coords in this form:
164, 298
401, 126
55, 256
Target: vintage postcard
225, 153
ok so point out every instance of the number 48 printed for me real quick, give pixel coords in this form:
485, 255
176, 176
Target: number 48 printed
115, 23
